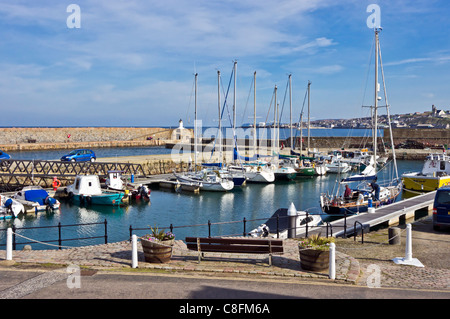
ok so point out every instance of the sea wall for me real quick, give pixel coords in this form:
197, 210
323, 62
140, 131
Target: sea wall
38, 138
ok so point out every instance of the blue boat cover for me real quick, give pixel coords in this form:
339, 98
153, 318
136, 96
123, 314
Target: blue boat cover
36, 195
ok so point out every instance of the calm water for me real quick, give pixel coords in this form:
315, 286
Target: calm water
252, 202
207, 132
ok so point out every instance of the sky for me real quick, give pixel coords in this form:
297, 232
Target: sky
132, 63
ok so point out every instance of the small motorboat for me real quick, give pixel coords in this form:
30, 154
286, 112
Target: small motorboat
35, 199
10, 208
86, 190
269, 228
141, 193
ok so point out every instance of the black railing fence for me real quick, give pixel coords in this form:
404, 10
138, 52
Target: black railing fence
59, 235
209, 227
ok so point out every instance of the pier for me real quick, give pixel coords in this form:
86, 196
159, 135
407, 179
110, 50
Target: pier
388, 215
18, 173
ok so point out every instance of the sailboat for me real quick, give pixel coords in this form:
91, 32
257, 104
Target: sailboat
281, 171
306, 167
205, 180
237, 176
360, 198
255, 170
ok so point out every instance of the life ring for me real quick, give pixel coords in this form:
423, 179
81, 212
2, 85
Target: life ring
56, 183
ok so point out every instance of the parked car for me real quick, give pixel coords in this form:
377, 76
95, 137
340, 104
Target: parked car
4, 155
441, 208
80, 155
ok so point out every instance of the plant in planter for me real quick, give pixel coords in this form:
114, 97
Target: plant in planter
315, 252
157, 246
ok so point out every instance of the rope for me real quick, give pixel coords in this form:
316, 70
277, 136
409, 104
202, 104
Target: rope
40, 242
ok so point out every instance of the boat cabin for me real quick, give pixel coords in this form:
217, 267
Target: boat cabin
87, 185
436, 165
114, 180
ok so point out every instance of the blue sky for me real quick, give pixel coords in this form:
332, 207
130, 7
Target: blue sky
131, 63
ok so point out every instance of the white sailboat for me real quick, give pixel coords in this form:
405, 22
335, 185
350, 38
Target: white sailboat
205, 180
256, 171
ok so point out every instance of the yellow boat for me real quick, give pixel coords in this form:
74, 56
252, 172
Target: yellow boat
435, 174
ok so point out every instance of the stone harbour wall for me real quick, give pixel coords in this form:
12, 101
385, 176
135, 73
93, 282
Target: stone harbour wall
19, 135
40, 138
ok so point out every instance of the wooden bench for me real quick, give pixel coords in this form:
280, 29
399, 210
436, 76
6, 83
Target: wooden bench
235, 245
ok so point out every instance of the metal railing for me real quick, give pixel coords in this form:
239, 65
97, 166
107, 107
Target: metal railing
327, 225
60, 239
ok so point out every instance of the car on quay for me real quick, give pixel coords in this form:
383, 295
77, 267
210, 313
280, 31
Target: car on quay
441, 208
80, 155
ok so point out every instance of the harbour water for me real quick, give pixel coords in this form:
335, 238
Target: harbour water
254, 201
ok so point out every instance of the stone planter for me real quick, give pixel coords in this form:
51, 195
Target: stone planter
157, 251
313, 259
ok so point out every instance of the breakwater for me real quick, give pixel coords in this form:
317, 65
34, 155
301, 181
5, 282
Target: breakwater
42, 138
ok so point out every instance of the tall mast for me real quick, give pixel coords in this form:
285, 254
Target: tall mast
254, 113
234, 102
275, 123
220, 119
309, 101
375, 111
195, 126
290, 106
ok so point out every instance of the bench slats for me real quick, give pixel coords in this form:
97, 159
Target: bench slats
237, 241
235, 245
235, 248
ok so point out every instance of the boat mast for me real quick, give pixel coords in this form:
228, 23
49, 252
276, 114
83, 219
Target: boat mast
254, 114
290, 106
309, 101
234, 102
375, 111
394, 158
195, 126
220, 119
275, 127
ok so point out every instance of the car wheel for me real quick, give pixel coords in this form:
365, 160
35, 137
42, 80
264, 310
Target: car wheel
92, 159
73, 160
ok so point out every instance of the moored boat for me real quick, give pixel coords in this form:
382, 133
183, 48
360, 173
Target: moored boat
434, 174
86, 190
10, 208
35, 199
278, 224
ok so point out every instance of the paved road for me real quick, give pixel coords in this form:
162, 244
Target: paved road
113, 285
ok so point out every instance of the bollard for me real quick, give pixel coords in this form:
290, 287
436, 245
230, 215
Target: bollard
408, 260
394, 236
9, 244
408, 246
134, 253
292, 213
132, 178
332, 266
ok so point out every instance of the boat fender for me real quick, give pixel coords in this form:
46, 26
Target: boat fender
8, 203
88, 200
70, 195
265, 231
81, 199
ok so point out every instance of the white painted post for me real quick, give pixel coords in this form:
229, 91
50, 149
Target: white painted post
292, 213
408, 249
332, 266
9, 234
134, 253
